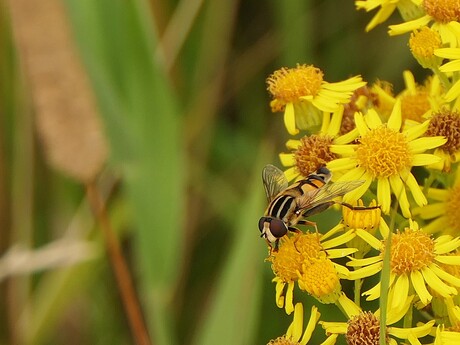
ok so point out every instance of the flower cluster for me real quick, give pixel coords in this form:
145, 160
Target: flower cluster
398, 241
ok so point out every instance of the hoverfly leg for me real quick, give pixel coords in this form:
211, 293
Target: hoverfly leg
351, 207
291, 228
307, 222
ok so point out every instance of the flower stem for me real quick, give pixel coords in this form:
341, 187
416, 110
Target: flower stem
119, 266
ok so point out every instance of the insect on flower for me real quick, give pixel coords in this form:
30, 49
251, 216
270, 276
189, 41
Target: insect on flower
290, 205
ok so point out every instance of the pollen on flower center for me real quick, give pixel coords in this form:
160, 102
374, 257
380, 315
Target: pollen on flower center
383, 152
287, 261
364, 329
422, 43
288, 84
443, 11
452, 207
313, 153
411, 250
447, 124
320, 279
294, 252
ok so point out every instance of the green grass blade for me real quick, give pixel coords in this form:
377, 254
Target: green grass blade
232, 318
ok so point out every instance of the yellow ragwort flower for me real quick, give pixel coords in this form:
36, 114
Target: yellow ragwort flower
444, 14
296, 254
386, 155
303, 95
414, 265
363, 327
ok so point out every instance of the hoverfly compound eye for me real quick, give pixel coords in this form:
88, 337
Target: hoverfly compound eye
278, 228
261, 224
325, 173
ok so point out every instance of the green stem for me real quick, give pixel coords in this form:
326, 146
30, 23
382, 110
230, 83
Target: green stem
443, 78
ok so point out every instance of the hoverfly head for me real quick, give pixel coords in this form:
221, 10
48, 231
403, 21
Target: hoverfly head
272, 228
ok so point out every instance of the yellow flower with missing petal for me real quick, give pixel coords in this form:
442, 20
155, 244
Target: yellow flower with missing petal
303, 95
385, 154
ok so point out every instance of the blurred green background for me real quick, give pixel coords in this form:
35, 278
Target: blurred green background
189, 129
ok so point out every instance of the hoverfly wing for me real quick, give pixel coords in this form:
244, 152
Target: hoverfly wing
274, 181
327, 193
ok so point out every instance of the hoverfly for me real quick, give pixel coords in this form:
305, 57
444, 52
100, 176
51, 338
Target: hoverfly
289, 205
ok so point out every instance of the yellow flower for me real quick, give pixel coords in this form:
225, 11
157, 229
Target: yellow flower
294, 333
444, 210
409, 9
363, 327
386, 155
303, 95
444, 13
414, 265
296, 256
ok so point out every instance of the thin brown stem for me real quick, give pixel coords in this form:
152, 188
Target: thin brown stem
120, 268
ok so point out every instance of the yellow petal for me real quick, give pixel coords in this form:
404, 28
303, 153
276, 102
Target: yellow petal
453, 92
415, 189
448, 53
401, 288
409, 26
295, 329
425, 143
361, 124
421, 159
314, 317
420, 288
384, 194
437, 284
289, 305
293, 144
395, 120
289, 119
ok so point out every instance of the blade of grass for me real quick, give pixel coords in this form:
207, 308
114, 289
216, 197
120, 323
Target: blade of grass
232, 317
